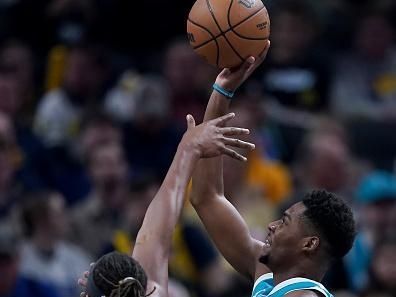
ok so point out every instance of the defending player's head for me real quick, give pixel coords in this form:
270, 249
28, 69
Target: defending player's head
117, 275
312, 232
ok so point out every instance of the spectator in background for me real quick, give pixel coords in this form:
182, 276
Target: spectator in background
295, 78
376, 204
70, 20
97, 220
16, 101
120, 102
17, 59
10, 160
60, 111
151, 124
96, 129
364, 82
383, 270
12, 283
189, 78
268, 177
46, 256
324, 148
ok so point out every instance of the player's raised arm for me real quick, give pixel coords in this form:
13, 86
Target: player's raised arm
223, 222
154, 239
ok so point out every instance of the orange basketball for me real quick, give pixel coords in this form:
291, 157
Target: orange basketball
226, 32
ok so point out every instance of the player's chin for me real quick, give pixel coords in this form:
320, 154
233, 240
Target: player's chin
265, 255
264, 259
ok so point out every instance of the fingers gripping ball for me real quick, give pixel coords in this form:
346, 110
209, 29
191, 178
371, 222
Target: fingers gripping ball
226, 32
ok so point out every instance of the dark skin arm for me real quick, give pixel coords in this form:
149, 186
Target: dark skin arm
222, 221
153, 243
154, 239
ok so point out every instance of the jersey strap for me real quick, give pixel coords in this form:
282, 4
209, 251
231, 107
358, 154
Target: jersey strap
298, 284
263, 285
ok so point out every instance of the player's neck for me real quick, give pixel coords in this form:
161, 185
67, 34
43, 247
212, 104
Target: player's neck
306, 272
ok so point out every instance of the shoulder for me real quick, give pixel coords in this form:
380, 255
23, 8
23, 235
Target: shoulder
303, 293
263, 285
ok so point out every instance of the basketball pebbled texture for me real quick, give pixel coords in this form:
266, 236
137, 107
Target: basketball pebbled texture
226, 32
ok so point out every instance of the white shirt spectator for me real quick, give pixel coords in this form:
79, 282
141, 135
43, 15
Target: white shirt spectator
57, 119
62, 268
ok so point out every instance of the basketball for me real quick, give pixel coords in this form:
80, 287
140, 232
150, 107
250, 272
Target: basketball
226, 32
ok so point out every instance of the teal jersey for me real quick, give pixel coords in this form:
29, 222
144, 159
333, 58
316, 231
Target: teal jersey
264, 286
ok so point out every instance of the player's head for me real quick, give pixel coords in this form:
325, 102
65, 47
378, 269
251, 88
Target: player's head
117, 275
317, 230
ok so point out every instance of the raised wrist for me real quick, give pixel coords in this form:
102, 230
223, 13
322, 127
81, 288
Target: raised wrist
190, 148
226, 93
227, 86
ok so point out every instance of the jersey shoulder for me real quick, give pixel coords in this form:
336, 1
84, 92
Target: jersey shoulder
302, 285
263, 285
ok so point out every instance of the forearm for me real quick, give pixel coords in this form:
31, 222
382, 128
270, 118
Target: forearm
208, 175
231, 235
155, 236
222, 221
218, 105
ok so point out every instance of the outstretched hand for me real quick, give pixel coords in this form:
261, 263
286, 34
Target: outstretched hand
211, 139
82, 281
231, 78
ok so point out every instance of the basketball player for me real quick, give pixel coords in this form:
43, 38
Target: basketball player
299, 247
117, 275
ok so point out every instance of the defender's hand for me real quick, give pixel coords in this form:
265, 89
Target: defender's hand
82, 281
210, 139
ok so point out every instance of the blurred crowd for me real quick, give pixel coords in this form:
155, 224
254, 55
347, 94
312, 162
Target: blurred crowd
93, 98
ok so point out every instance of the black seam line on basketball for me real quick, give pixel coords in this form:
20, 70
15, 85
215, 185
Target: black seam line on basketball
229, 29
222, 33
232, 27
213, 39
240, 22
210, 33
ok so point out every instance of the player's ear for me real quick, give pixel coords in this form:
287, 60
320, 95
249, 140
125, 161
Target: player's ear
311, 244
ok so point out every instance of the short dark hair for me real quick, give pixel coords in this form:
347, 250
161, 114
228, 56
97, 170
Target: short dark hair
111, 269
333, 219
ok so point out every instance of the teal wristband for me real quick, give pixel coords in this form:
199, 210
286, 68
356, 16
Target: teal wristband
223, 91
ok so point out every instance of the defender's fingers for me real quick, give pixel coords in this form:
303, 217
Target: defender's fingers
190, 121
239, 143
224, 119
233, 154
231, 131
82, 282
